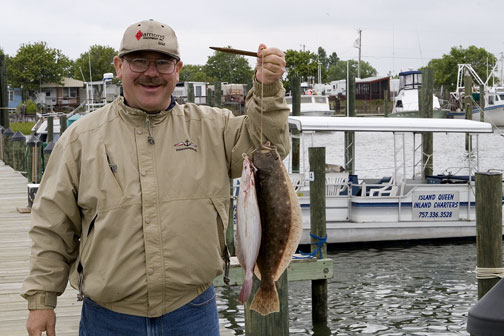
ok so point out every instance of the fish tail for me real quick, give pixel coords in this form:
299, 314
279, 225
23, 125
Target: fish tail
266, 301
246, 288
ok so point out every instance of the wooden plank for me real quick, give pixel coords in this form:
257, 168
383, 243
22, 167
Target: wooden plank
299, 269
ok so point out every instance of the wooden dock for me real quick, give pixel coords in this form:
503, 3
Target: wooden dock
14, 264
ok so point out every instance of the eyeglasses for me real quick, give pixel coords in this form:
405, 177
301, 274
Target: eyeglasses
163, 66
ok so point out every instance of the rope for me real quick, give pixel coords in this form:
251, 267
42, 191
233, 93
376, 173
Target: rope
320, 243
489, 273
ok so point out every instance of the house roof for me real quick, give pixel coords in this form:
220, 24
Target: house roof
66, 82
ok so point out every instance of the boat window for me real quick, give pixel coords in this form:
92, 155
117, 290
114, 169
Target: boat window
321, 100
501, 96
305, 100
399, 103
490, 100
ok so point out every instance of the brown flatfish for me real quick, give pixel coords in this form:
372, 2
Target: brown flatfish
281, 223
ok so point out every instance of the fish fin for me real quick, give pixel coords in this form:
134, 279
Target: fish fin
257, 272
266, 301
246, 288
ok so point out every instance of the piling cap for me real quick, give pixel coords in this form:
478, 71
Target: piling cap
49, 148
150, 35
18, 137
8, 132
34, 140
486, 317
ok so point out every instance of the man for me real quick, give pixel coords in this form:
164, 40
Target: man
133, 206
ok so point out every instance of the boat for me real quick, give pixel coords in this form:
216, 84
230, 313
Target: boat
406, 101
493, 96
493, 112
312, 105
400, 206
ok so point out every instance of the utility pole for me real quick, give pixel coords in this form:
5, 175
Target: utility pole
360, 45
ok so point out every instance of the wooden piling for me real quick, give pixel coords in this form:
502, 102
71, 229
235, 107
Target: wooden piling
18, 145
190, 93
274, 324
385, 103
2, 129
217, 94
425, 110
488, 226
63, 124
50, 129
350, 135
482, 102
34, 160
317, 156
296, 111
210, 97
4, 102
7, 150
468, 107
47, 153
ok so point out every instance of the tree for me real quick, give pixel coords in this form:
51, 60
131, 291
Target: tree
303, 64
35, 64
445, 68
339, 70
229, 68
195, 73
101, 60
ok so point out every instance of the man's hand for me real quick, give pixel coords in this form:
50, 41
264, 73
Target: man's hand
273, 67
41, 320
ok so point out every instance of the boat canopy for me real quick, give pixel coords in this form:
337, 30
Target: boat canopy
415, 125
412, 72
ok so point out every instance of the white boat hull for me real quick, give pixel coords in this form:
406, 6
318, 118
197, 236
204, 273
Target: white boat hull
493, 115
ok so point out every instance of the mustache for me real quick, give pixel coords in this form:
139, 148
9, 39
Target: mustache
150, 81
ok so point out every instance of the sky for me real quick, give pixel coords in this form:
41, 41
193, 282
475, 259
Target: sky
396, 34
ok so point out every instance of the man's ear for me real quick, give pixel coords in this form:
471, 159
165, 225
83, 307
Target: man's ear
118, 63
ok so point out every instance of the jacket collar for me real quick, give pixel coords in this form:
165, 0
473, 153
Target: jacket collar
138, 117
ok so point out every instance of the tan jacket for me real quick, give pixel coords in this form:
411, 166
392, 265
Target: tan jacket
146, 221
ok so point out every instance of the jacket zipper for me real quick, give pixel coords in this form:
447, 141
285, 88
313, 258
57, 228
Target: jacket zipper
150, 138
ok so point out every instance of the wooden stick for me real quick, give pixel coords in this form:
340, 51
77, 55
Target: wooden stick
235, 51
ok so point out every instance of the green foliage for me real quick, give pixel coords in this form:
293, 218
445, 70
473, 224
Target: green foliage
303, 64
31, 107
445, 68
195, 73
23, 127
339, 70
229, 68
35, 64
101, 59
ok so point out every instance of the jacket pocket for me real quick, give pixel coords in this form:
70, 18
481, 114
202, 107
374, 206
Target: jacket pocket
221, 207
112, 168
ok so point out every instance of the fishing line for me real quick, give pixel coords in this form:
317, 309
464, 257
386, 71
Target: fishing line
262, 92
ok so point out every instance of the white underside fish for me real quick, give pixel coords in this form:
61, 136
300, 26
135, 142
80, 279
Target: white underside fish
248, 227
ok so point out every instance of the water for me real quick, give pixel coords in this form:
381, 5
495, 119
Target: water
413, 288
394, 289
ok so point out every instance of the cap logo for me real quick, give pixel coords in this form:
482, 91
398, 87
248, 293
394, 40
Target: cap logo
139, 35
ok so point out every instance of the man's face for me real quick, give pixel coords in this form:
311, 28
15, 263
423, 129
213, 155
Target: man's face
149, 90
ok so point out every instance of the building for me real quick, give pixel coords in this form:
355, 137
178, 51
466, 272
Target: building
15, 97
68, 94
365, 89
199, 89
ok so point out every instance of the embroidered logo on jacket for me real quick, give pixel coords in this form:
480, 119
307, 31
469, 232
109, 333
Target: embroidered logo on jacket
185, 145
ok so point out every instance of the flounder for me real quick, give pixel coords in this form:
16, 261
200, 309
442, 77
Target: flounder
281, 225
248, 226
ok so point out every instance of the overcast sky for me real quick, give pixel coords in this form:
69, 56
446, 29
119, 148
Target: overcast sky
396, 34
